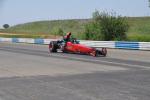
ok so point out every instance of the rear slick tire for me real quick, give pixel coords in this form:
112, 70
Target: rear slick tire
53, 46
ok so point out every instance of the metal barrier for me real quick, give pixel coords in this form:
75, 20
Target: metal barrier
107, 44
127, 45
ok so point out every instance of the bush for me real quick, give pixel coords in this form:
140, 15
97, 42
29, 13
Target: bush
106, 26
6, 26
92, 31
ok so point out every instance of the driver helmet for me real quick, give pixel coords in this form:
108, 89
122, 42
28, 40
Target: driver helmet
69, 33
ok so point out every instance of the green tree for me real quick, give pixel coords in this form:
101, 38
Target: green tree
106, 26
92, 31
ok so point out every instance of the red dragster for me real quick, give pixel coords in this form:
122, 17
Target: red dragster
75, 47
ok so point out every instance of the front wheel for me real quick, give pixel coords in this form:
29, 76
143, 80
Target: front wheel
104, 52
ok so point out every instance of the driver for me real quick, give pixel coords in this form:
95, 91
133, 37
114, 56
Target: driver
67, 37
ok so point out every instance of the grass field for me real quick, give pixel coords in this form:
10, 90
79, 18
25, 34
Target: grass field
139, 25
47, 27
139, 28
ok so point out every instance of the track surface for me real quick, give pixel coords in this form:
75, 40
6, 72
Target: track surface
29, 72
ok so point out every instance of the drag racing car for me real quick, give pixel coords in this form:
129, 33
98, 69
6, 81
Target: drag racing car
74, 46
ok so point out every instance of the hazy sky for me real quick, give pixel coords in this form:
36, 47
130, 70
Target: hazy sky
22, 11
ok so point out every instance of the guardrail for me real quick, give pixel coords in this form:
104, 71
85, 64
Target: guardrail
107, 44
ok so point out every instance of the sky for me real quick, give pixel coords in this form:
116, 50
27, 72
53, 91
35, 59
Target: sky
15, 12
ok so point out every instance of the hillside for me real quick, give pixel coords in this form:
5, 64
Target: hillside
74, 25
139, 26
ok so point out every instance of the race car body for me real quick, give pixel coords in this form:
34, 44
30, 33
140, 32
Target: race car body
75, 47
